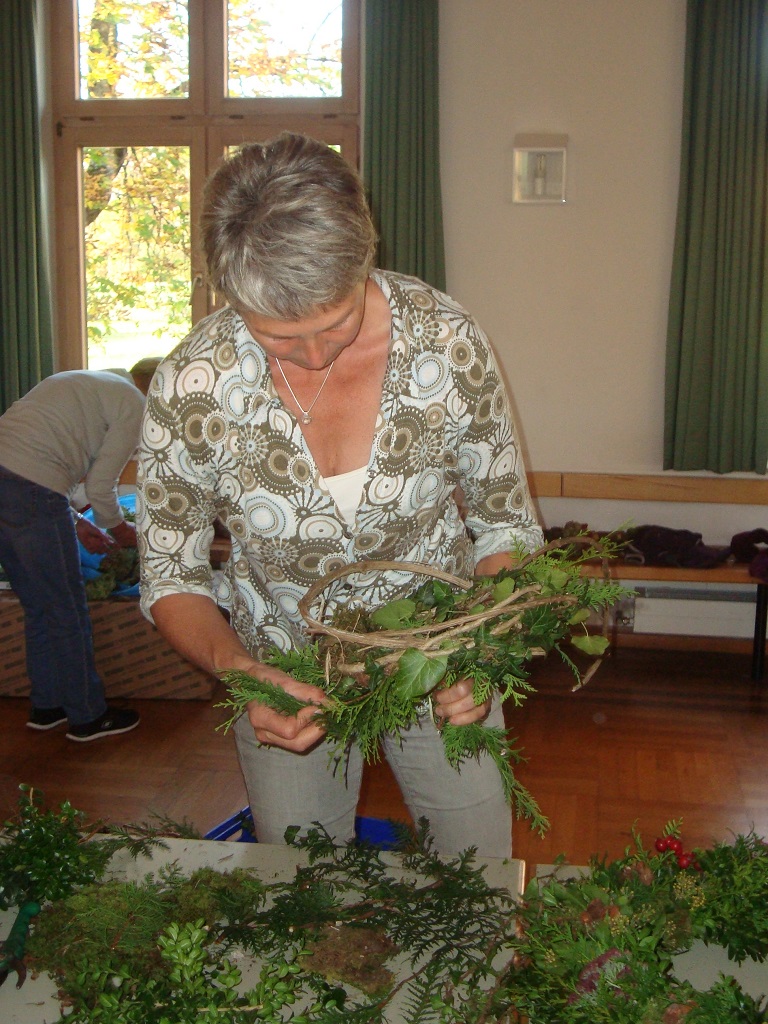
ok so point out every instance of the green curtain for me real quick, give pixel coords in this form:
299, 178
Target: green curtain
26, 339
716, 414
401, 151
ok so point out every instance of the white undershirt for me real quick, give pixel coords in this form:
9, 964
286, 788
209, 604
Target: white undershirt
346, 489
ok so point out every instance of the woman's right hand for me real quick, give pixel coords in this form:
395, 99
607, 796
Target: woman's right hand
297, 732
94, 540
194, 626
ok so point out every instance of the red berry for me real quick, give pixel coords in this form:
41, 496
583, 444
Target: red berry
662, 844
675, 846
684, 860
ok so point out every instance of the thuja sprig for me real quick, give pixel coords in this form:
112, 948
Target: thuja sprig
463, 742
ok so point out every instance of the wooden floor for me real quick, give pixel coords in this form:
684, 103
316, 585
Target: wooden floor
656, 735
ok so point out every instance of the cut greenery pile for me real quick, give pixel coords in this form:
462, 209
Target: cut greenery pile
118, 569
350, 934
379, 668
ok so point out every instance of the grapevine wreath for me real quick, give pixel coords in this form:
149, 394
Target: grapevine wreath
347, 939
379, 667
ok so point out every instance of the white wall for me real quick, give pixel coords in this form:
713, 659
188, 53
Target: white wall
573, 296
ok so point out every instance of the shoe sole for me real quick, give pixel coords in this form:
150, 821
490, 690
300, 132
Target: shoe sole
101, 735
45, 728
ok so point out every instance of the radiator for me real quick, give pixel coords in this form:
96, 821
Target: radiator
693, 610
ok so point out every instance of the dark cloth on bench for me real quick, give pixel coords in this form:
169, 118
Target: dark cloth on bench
663, 545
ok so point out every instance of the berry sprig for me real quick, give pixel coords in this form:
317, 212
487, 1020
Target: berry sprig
671, 844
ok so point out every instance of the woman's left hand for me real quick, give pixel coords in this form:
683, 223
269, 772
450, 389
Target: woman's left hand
454, 704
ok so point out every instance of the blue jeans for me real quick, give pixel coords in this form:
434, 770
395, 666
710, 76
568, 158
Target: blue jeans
464, 808
40, 554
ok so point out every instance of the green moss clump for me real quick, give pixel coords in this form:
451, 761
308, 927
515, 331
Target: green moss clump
115, 926
119, 567
112, 925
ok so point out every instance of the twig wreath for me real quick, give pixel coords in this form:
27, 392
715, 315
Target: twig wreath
379, 667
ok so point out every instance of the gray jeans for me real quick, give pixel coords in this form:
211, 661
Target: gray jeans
464, 808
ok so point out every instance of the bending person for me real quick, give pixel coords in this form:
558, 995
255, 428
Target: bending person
79, 425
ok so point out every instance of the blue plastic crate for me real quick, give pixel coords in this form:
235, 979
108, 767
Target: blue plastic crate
237, 823
375, 831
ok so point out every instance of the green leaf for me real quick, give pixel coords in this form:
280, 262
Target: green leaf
417, 674
591, 644
504, 588
441, 592
394, 615
557, 578
580, 616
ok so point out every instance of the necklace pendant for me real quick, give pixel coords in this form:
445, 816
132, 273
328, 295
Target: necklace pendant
305, 413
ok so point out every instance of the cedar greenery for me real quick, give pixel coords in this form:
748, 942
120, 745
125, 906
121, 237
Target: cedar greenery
379, 668
595, 947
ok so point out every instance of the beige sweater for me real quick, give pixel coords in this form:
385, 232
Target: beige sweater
73, 426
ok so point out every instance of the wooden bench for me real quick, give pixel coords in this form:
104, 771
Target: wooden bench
661, 488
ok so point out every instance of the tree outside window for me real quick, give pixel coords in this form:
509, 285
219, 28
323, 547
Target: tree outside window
142, 127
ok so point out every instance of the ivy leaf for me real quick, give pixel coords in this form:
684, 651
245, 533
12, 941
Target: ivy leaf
504, 588
595, 645
580, 616
439, 593
394, 615
556, 578
417, 674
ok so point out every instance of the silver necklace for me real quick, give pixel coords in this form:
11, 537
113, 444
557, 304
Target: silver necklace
305, 417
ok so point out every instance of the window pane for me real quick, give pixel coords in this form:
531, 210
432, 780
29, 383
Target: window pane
137, 251
133, 49
281, 49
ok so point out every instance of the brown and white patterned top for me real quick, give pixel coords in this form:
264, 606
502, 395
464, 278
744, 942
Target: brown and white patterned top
217, 440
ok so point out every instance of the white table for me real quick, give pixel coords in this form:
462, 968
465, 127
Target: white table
36, 1002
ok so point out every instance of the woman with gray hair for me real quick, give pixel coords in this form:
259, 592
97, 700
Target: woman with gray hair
327, 415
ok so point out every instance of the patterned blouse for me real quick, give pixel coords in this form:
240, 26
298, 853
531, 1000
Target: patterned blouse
217, 441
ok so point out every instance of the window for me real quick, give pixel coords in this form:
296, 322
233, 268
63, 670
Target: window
148, 95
